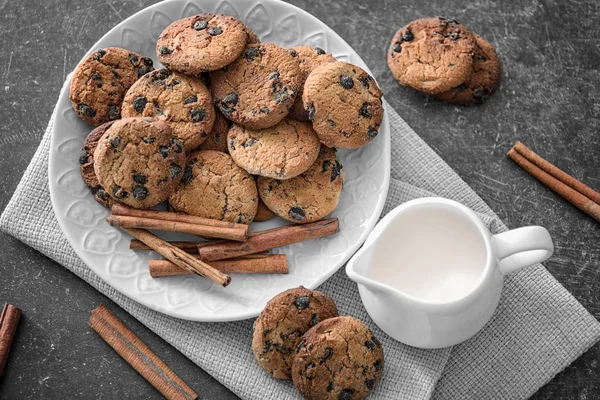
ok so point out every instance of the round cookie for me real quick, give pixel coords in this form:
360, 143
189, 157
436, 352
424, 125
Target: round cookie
139, 162
432, 55
180, 100
483, 81
283, 151
258, 89
279, 328
344, 104
201, 43
308, 197
214, 187
86, 164
101, 80
339, 359
309, 59
217, 138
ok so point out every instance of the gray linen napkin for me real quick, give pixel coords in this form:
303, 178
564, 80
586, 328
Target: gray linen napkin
538, 330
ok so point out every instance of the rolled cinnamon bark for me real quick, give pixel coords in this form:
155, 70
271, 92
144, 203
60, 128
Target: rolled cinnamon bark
189, 247
250, 264
9, 320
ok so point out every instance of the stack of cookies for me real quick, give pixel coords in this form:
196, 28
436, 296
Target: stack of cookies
300, 336
231, 128
440, 57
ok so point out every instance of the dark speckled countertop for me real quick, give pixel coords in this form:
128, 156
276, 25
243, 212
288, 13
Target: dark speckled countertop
549, 99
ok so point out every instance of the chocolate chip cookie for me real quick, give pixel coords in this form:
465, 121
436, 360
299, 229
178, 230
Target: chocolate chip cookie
263, 213
308, 197
180, 100
282, 151
483, 81
339, 359
138, 162
280, 326
214, 187
344, 104
101, 80
217, 138
86, 164
201, 43
309, 58
258, 89
432, 55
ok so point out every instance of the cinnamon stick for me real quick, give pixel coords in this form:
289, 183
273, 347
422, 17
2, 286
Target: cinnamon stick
549, 176
179, 257
133, 350
269, 239
250, 264
188, 247
9, 320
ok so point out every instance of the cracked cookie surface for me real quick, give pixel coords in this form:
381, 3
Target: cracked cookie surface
309, 197
139, 162
201, 43
217, 138
344, 104
258, 89
282, 151
279, 328
102, 79
483, 81
432, 55
213, 186
339, 359
86, 165
309, 59
180, 100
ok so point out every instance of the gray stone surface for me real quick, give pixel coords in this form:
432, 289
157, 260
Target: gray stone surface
549, 99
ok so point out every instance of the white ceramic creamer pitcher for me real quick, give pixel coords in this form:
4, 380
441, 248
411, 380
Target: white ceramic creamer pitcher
430, 273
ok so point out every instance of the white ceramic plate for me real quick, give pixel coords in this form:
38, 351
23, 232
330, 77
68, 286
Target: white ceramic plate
105, 249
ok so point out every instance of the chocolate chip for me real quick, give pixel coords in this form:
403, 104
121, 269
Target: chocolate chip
285, 94
97, 79
346, 394
176, 144
364, 110
232, 143
240, 218
148, 62
164, 50
173, 83
139, 103
329, 387
267, 346
319, 50
265, 110
300, 346
454, 36
297, 214
250, 53
370, 383
274, 75
199, 25
174, 170
249, 142
364, 80
301, 302
99, 54
407, 36
83, 157
86, 110
148, 140
371, 133
311, 112
140, 179
370, 345
336, 170
101, 193
326, 164
346, 82
113, 113
327, 354
140, 193
116, 141
310, 365
214, 31
293, 52
197, 114
397, 47
164, 151
133, 58
314, 319
191, 99
119, 193
143, 70
228, 103
187, 175
378, 365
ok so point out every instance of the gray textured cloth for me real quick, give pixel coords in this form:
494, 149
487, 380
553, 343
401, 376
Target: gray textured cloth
538, 330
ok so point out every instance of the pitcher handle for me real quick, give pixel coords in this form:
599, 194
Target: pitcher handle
522, 247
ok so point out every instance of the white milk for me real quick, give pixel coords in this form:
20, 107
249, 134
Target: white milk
430, 254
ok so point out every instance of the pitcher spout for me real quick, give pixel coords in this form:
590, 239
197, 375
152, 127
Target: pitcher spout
358, 266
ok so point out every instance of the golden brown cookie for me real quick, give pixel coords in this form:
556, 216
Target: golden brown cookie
280, 326
344, 104
309, 59
308, 197
139, 162
483, 81
180, 100
263, 213
86, 165
339, 359
217, 138
201, 43
432, 55
259, 88
101, 80
214, 187
282, 151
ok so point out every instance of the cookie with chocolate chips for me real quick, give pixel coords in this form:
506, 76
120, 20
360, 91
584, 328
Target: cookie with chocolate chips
483, 81
432, 55
279, 328
214, 187
201, 43
282, 151
101, 80
338, 359
138, 162
309, 59
309, 197
180, 100
86, 165
258, 89
344, 104
217, 138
